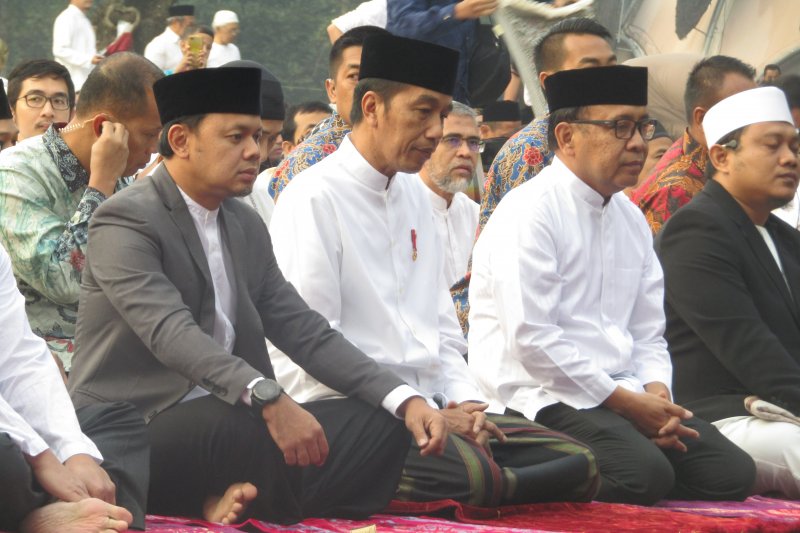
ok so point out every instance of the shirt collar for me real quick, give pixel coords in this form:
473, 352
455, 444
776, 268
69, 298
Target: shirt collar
173, 37
73, 174
197, 211
438, 203
577, 186
360, 168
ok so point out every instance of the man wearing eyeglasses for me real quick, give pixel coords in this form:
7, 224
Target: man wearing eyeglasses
41, 93
566, 302
447, 174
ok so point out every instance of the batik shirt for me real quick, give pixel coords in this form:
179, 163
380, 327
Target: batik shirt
524, 155
45, 208
323, 140
678, 176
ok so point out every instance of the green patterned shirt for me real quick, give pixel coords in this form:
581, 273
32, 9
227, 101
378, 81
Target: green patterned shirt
45, 208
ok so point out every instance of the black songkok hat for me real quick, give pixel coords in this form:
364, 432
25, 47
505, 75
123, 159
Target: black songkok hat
502, 111
181, 11
272, 106
5, 108
410, 61
208, 90
616, 85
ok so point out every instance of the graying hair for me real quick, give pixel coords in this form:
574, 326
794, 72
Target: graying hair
463, 110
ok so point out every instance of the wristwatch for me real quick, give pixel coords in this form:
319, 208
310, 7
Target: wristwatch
263, 393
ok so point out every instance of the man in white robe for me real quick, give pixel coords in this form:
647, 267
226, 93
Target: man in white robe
566, 305
165, 48
355, 234
226, 28
74, 41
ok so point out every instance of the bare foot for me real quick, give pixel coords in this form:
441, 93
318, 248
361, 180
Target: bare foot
86, 516
228, 508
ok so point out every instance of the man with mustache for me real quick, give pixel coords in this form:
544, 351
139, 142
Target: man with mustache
41, 93
566, 304
732, 279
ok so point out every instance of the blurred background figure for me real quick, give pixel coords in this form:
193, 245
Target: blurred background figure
656, 147
41, 93
771, 73
301, 119
195, 44
165, 49
74, 41
370, 13
500, 121
226, 29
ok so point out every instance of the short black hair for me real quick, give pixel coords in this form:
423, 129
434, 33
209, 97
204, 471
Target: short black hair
38, 68
705, 80
790, 85
289, 124
118, 84
352, 37
191, 121
385, 88
772, 66
735, 137
565, 114
548, 53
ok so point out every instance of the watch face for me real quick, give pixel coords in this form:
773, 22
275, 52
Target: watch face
267, 391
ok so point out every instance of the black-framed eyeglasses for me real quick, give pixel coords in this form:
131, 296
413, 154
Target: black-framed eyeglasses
453, 142
624, 127
59, 102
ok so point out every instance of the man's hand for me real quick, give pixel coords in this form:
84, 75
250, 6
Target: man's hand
469, 420
56, 479
474, 9
426, 424
296, 432
670, 434
109, 157
93, 477
97, 58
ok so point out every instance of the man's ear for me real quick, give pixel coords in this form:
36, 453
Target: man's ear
720, 158
565, 135
286, 147
178, 137
371, 103
698, 114
330, 88
485, 131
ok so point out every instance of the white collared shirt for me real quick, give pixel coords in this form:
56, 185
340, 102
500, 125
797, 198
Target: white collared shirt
566, 298
456, 226
35, 409
165, 50
207, 224
222, 53
363, 251
74, 44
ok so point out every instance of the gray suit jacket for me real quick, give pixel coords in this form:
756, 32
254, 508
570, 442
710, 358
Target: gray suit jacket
146, 310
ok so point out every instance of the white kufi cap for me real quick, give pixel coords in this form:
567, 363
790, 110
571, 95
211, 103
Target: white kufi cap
764, 104
224, 17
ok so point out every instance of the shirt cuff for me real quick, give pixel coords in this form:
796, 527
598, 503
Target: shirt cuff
245, 397
88, 448
392, 401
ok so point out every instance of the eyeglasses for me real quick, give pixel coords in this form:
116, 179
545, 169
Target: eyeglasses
37, 101
453, 142
624, 128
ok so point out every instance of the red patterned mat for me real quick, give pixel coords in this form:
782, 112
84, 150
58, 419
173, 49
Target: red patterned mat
757, 514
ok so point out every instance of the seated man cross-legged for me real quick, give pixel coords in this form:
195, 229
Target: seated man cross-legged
566, 305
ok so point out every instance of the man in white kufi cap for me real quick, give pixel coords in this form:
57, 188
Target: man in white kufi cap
226, 28
732, 279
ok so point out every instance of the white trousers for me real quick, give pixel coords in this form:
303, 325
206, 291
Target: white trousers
775, 448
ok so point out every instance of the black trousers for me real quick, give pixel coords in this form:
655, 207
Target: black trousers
634, 470
201, 447
120, 434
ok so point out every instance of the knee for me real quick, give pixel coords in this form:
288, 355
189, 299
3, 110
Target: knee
647, 479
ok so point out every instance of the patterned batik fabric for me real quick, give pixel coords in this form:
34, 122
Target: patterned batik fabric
323, 140
677, 177
45, 208
521, 158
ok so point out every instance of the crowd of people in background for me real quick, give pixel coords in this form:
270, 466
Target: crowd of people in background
222, 305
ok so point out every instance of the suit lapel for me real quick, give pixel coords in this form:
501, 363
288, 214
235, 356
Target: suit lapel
786, 240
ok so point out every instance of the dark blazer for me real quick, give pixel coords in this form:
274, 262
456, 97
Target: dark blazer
733, 325
146, 310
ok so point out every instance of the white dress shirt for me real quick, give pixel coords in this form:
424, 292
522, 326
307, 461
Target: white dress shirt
566, 298
456, 226
363, 251
35, 409
222, 53
165, 50
370, 13
74, 44
206, 223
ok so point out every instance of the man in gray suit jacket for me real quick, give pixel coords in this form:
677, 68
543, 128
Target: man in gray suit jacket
179, 290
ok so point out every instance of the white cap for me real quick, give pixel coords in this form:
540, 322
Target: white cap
224, 17
764, 104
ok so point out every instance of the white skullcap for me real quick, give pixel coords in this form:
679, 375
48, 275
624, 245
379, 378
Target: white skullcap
224, 17
764, 104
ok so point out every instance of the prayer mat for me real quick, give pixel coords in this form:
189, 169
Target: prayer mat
756, 514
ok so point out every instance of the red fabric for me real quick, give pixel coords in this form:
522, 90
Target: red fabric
123, 43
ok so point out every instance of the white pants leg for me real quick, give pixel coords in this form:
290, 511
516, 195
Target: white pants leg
775, 448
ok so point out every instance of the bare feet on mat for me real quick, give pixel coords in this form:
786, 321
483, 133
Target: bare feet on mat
228, 508
86, 516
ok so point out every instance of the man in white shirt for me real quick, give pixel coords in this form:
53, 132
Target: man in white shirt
226, 28
177, 328
566, 304
41, 94
165, 49
74, 42
447, 174
45, 452
356, 236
